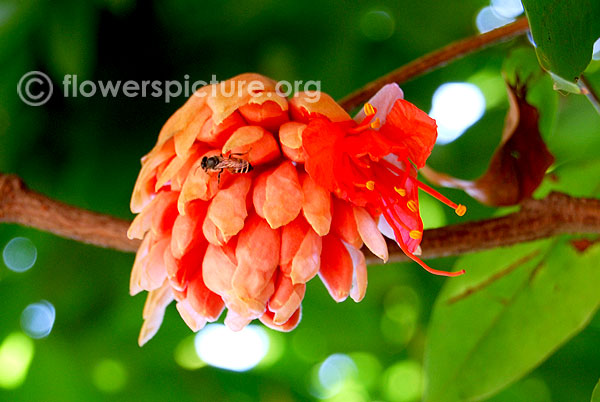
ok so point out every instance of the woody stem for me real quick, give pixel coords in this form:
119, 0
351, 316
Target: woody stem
434, 60
556, 214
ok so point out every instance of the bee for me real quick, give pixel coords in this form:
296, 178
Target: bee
218, 163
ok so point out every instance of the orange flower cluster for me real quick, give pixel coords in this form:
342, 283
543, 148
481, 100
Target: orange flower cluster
248, 195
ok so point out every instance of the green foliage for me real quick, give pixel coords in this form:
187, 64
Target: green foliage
564, 32
596, 393
513, 309
85, 151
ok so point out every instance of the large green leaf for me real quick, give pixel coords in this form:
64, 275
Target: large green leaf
564, 33
510, 311
596, 393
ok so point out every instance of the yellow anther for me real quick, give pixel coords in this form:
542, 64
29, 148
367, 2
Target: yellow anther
415, 234
460, 210
412, 206
400, 191
376, 123
369, 109
370, 185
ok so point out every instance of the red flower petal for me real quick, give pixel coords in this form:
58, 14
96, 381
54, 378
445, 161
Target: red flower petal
336, 268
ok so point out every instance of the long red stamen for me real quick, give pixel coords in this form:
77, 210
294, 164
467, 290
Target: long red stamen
417, 259
458, 208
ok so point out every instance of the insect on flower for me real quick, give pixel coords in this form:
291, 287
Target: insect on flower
319, 187
218, 163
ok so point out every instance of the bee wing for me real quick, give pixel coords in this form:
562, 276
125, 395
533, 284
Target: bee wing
231, 164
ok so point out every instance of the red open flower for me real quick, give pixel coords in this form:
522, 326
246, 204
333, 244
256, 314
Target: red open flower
249, 239
369, 163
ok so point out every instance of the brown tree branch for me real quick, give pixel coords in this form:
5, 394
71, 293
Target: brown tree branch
556, 214
18, 204
434, 60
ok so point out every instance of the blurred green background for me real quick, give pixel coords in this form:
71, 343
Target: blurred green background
86, 151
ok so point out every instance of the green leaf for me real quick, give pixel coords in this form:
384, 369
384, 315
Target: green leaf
511, 310
564, 33
596, 393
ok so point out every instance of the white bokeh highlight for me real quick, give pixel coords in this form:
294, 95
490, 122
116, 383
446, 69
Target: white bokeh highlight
221, 347
456, 106
19, 254
596, 50
37, 319
488, 20
507, 8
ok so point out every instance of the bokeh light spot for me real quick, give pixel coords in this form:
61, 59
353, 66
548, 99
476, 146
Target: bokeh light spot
377, 25
456, 106
596, 50
185, 354
220, 347
336, 370
19, 254
16, 353
487, 20
507, 8
37, 319
403, 382
109, 375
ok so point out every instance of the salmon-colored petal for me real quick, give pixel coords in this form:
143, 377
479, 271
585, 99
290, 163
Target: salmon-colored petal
316, 205
154, 311
141, 224
286, 299
297, 155
290, 137
251, 308
193, 319
359, 275
307, 261
300, 251
227, 209
257, 254
343, 223
254, 143
268, 320
290, 134
155, 272
292, 235
187, 229
268, 114
198, 185
205, 302
217, 134
213, 234
182, 117
139, 265
284, 196
164, 212
184, 138
238, 91
235, 321
218, 267
179, 270
370, 234
146, 181
173, 171
312, 104
336, 268
259, 193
